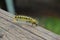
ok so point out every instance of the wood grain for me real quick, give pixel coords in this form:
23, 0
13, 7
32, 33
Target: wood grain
22, 31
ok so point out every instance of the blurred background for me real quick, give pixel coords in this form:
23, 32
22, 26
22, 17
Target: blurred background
46, 11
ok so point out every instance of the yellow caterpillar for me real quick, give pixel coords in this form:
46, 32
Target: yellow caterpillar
25, 18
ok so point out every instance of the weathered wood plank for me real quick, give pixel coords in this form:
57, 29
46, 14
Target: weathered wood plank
8, 26
8, 35
23, 31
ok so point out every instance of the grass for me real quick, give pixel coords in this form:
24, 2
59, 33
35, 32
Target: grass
52, 24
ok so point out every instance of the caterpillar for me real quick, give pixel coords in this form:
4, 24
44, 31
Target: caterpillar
26, 19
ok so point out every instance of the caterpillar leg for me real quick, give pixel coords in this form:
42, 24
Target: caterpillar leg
34, 24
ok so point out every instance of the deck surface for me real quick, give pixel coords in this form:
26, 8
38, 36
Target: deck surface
22, 31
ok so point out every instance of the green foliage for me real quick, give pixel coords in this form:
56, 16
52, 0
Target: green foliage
52, 24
